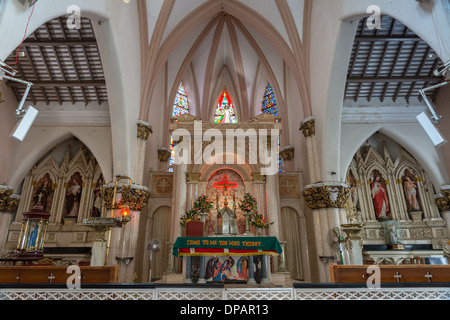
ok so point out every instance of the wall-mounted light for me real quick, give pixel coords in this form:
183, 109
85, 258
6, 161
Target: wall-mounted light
124, 215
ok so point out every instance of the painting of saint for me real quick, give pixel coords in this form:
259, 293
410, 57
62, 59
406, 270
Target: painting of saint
43, 192
97, 205
73, 195
379, 196
410, 190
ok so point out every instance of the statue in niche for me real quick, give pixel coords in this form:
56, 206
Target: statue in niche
97, 206
410, 190
73, 195
379, 196
353, 190
42, 193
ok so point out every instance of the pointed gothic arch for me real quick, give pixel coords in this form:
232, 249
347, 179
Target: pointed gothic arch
269, 102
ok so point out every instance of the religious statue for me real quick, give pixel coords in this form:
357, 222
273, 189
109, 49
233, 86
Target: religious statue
73, 196
41, 194
410, 190
379, 196
97, 206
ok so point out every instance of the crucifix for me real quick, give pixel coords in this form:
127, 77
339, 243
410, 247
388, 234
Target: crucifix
225, 185
51, 277
397, 276
428, 276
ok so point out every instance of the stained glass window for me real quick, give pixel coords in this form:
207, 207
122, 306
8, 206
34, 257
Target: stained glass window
180, 104
225, 110
269, 103
172, 154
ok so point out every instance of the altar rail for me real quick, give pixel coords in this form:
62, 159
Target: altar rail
299, 291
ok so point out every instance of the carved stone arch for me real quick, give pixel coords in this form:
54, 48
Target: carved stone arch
241, 169
372, 156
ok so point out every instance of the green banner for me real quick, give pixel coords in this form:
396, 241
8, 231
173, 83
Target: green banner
247, 244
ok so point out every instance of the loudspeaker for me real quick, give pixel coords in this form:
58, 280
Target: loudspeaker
432, 131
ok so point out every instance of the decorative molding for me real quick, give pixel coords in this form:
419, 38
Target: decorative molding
193, 177
326, 195
143, 130
442, 200
307, 127
288, 185
162, 185
384, 114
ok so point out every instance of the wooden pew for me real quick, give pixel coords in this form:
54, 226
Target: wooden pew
52, 274
391, 273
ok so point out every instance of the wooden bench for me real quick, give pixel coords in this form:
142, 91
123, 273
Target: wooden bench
391, 273
52, 274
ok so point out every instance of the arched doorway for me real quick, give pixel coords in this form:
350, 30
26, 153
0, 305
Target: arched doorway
160, 231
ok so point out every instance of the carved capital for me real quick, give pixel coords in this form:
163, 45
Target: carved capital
193, 177
322, 195
8, 201
307, 127
143, 130
442, 200
163, 154
136, 196
258, 177
287, 153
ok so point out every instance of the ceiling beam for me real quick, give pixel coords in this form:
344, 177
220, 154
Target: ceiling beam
94, 83
387, 38
392, 79
53, 43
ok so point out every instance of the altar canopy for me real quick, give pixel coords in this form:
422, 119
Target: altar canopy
226, 246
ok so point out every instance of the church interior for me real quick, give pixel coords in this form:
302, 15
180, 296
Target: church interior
250, 144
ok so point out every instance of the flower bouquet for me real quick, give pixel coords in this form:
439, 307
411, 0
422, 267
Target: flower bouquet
248, 204
259, 221
203, 204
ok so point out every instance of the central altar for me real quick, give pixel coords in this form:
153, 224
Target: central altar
227, 259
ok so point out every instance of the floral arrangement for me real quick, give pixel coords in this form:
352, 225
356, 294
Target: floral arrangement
190, 215
259, 221
203, 204
248, 204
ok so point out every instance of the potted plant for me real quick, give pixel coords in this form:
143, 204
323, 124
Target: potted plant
260, 222
248, 203
190, 215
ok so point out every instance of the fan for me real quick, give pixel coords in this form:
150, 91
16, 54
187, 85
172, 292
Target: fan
153, 246
336, 237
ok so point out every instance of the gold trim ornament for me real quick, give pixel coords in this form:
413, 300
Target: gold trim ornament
307, 127
163, 154
136, 197
321, 196
143, 130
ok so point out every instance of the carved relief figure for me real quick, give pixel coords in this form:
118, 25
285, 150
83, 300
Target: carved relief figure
73, 195
379, 196
43, 192
410, 190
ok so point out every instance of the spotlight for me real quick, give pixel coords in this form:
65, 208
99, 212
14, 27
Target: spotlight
432, 131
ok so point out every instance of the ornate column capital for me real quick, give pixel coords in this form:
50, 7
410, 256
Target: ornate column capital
135, 195
287, 152
8, 201
307, 127
326, 195
258, 177
192, 177
442, 199
143, 130
163, 154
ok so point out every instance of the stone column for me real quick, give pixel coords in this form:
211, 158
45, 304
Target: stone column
354, 244
327, 202
307, 126
8, 205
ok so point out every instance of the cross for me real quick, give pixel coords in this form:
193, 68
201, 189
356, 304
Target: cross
287, 186
428, 276
225, 185
163, 185
18, 278
51, 277
397, 276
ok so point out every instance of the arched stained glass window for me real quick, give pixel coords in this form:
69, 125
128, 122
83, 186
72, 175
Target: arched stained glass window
269, 103
225, 111
180, 105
